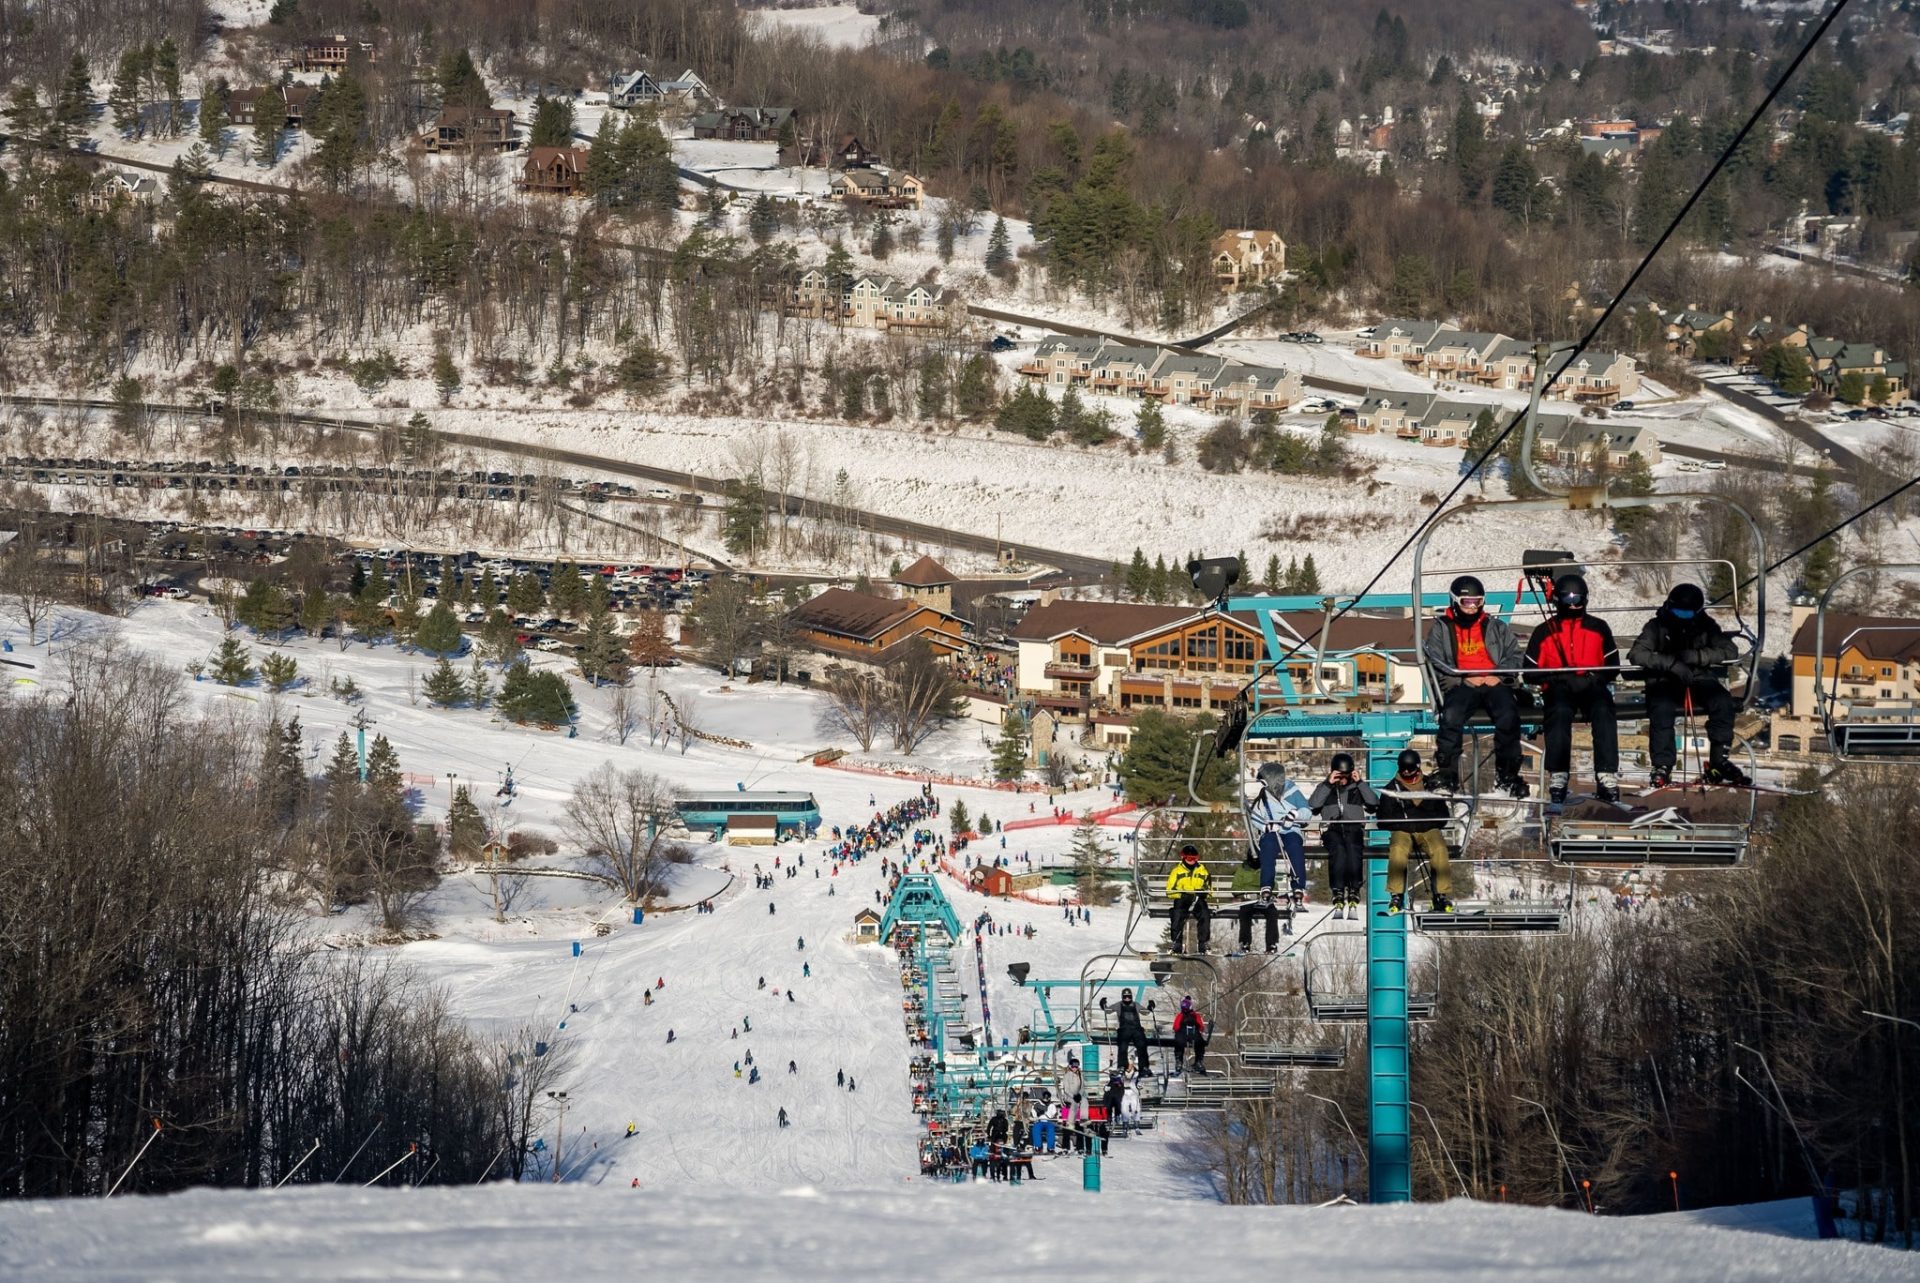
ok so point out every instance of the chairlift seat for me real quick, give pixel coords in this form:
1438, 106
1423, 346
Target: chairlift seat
1873, 738
1344, 1008
1700, 846
1292, 1056
1471, 918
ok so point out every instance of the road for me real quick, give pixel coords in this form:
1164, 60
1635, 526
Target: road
1076, 564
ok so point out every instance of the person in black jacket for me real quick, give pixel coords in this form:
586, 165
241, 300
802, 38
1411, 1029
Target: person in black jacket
1110, 1102
1411, 823
1680, 652
1131, 1034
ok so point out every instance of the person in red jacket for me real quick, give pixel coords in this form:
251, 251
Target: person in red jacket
1189, 1030
1574, 658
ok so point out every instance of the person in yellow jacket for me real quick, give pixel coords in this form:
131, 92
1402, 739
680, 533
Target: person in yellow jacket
1187, 884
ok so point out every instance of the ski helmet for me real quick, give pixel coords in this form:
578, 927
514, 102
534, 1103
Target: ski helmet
1186, 1004
1686, 600
1467, 586
1190, 854
1569, 594
1342, 762
1409, 762
1273, 778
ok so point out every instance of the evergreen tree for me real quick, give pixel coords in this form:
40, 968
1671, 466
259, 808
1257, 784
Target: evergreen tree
125, 99
280, 671
369, 612
73, 107
246, 611
743, 525
501, 638
1010, 750
1272, 581
489, 590
1151, 423
1309, 576
466, 830
566, 591
267, 123
525, 596
602, 657
1139, 577
540, 696
999, 245
342, 779
1091, 859
282, 768
406, 619
459, 81
973, 390
316, 608
957, 818
340, 126
762, 219
213, 116
649, 645
552, 122
385, 786
166, 70
1159, 755
231, 664
1157, 587
444, 686
479, 684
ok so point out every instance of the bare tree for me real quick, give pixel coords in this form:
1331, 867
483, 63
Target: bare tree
920, 694
620, 819
623, 714
857, 704
28, 580
528, 1073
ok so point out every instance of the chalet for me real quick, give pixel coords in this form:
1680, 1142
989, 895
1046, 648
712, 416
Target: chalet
1243, 256
1400, 340
884, 188
1256, 387
928, 583
1864, 658
1597, 378
555, 170
1400, 413
1767, 332
1834, 361
848, 625
877, 302
328, 53
1060, 359
866, 927
985, 879
744, 124
1448, 423
1509, 366
813, 295
290, 102
1123, 370
113, 186
461, 128
640, 89
1685, 327
1184, 378
1460, 354
1174, 376
1566, 439
851, 153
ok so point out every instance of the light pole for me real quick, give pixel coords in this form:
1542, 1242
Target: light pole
1555, 1133
560, 1139
1464, 1192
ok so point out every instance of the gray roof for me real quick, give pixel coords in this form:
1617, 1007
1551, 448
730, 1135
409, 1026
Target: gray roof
1606, 146
1471, 340
1125, 354
1443, 411
1506, 348
1255, 375
1421, 332
1855, 356
1082, 345
1414, 403
1207, 367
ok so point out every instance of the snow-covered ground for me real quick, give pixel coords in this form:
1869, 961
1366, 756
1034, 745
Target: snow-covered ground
840, 26
805, 1231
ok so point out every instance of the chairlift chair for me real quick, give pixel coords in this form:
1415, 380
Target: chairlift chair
1272, 1040
1861, 727
1336, 995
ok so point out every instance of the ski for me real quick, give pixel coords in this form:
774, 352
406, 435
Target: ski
1704, 785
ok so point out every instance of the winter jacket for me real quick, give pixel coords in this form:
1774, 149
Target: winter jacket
1415, 815
1110, 1101
1681, 650
1128, 1021
1246, 879
1350, 801
1574, 654
1184, 881
1443, 654
997, 1129
1072, 1086
1189, 1019
1267, 813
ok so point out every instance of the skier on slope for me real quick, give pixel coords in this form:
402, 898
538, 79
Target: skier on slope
783, 1117
1475, 660
1574, 659
1681, 650
1343, 800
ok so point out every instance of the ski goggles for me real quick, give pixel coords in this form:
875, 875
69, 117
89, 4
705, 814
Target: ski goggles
1470, 603
1682, 614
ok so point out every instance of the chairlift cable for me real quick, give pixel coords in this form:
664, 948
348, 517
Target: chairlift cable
1613, 305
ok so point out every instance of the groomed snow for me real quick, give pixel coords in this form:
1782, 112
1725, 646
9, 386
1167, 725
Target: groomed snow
1049, 1230
839, 26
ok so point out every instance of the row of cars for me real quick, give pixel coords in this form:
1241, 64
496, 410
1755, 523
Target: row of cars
630, 585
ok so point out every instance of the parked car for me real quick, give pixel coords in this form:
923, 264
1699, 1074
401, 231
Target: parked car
659, 492
1623, 405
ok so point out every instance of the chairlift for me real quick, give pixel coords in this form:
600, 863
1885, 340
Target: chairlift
1336, 989
1861, 725
1268, 1038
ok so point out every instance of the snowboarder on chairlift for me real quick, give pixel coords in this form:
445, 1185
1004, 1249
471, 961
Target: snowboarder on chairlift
1414, 823
1475, 662
1681, 651
1187, 888
1574, 659
1343, 800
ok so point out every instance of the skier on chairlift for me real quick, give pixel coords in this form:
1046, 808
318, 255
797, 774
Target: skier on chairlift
1342, 801
1277, 829
1574, 659
1187, 885
1475, 660
1681, 651
1414, 823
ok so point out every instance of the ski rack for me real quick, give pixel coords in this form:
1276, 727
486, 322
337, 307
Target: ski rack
1862, 728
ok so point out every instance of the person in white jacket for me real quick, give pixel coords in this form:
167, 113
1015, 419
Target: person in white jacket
1073, 1106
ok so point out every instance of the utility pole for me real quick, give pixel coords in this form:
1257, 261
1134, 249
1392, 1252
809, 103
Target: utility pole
360, 723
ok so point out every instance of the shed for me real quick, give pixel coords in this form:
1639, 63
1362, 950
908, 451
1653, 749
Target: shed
990, 881
866, 926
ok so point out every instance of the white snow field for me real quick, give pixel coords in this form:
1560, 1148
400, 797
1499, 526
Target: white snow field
838, 26
1048, 1230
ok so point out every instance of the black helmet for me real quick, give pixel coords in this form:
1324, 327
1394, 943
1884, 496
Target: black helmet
1188, 851
1466, 586
1569, 594
1686, 597
1342, 762
1409, 761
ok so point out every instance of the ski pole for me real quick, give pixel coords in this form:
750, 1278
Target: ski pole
136, 1158
412, 1149
378, 1119
297, 1166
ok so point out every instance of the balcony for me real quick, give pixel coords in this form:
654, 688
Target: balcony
1413, 358
1597, 390
1035, 369
1067, 670
1442, 363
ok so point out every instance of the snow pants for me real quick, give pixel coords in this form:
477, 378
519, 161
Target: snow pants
1462, 702
1190, 1040
1272, 843
1592, 704
1192, 908
1433, 845
1137, 1041
1346, 859
1247, 913
1666, 700
1045, 1135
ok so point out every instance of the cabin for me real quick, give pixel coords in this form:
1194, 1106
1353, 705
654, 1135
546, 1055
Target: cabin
557, 171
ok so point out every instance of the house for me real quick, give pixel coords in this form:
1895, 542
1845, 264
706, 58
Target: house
1244, 256
1460, 354
328, 53
745, 124
1834, 361
1060, 359
866, 927
460, 128
1685, 327
1611, 151
1123, 369
555, 170
1383, 410
1401, 340
929, 583
884, 303
1865, 658
1597, 378
1448, 423
1184, 378
851, 153
1105, 660
884, 188
1566, 439
1256, 387
1767, 332
984, 879
848, 625
1172, 375
1609, 129
111, 187
1509, 366
290, 102
639, 89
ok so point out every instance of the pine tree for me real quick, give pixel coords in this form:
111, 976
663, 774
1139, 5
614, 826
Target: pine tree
267, 124
124, 99
526, 596
406, 618
342, 779
489, 590
74, 106
1291, 584
280, 671
282, 768
552, 122
1309, 576
231, 664
386, 788
369, 611
957, 818
439, 630
246, 611
444, 686
602, 658
999, 245
1091, 860
1158, 586
566, 591
466, 830
1151, 423
479, 684
762, 219
539, 697
1272, 581
1010, 750
213, 116
446, 375
316, 608
166, 70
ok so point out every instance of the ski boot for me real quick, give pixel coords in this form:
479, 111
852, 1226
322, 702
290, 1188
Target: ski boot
1557, 788
1339, 907
1607, 788
1396, 904
1443, 780
1513, 786
1725, 772
1661, 777
1442, 903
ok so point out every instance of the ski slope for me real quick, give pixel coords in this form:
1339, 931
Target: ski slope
506, 1234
